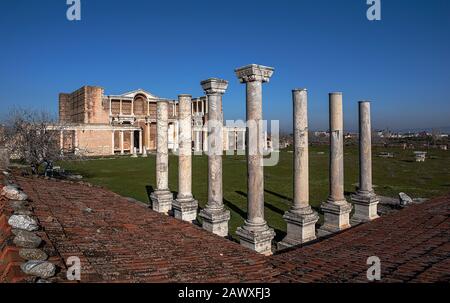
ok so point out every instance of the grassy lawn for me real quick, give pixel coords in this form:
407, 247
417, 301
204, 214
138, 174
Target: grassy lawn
130, 176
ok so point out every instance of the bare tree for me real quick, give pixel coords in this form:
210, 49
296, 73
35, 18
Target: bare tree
33, 137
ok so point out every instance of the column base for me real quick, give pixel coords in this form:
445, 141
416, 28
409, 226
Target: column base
336, 217
365, 207
301, 227
185, 209
215, 221
161, 201
258, 239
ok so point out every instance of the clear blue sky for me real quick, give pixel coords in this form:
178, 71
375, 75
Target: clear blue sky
401, 63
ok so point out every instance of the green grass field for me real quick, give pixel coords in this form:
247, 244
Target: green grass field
129, 177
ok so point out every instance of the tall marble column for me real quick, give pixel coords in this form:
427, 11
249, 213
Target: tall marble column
365, 200
215, 216
162, 197
185, 206
336, 209
255, 233
301, 219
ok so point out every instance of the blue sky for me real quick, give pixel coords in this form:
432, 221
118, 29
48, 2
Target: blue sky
401, 63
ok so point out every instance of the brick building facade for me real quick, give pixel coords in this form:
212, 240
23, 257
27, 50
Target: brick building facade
97, 124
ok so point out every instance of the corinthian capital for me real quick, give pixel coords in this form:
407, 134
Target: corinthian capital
214, 86
254, 72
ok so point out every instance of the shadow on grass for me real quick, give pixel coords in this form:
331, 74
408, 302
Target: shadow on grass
234, 208
278, 195
266, 204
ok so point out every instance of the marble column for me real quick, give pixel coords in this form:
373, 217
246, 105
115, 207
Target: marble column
162, 197
365, 200
215, 216
185, 206
121, 142
255, 233
301, 219
140, 141
197, 140
336, 209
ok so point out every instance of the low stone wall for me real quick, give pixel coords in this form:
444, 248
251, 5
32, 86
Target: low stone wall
4, 158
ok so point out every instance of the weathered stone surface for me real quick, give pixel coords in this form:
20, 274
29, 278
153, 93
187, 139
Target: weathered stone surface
23, 211
33, 254
215, 216
185, 206
162, 197
27, 239
365, 200
42, 269
255, 233
16, 205
13, 193
336, 209
23, 222
300, 219
404, 199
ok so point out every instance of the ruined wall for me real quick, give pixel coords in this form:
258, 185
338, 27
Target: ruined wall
84, 105
94, 142
97, 112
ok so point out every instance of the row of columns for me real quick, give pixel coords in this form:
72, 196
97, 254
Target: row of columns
301, 218
236, 142
121, 142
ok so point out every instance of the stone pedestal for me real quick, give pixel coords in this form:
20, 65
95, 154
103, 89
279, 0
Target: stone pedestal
301, 227
300, 219
255, 234
161, 201
365, 201
336, 209
162, 197
259, 239
185, 206
366, 207
336, 217
215, 217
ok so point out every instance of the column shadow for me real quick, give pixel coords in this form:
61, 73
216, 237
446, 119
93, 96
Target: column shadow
234, 208
266, 204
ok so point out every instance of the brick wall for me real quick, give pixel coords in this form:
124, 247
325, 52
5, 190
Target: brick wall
95, 142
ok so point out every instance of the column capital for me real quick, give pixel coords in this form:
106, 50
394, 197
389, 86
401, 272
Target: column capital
254, 72
214, 86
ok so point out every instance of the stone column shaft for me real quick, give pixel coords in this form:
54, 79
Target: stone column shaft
255, 234
336, 209
185, 207
301, 219
162, 197
365, 148
162, 150
215, 216
365, 200
301, 161
336, 176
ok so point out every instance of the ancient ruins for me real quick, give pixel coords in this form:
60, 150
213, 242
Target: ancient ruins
301, 219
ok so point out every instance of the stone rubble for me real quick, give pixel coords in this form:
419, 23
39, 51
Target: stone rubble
23, 222
42, 269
